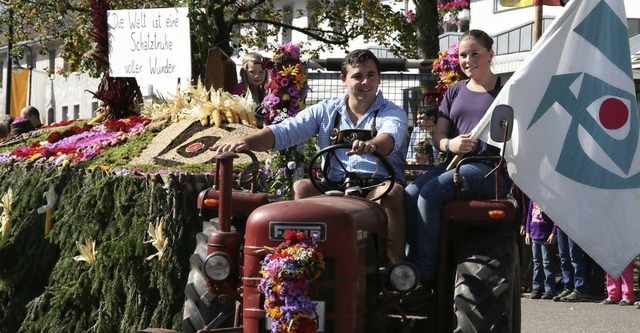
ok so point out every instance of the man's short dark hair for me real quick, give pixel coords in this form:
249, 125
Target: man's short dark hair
358, 57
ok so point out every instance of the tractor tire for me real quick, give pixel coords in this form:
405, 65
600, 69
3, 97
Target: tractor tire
487, 295
203, 309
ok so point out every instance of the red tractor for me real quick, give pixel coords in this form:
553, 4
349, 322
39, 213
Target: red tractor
358, 291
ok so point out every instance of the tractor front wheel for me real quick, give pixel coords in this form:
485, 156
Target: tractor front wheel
486, 295
203, 309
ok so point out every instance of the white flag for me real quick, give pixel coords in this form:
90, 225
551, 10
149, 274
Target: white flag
574, 148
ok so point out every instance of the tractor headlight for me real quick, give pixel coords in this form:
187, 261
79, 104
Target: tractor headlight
217, 266
403, 277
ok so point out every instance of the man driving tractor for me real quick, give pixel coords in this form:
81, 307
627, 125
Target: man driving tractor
383, 129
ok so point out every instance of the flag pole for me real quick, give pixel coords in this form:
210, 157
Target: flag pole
537, 22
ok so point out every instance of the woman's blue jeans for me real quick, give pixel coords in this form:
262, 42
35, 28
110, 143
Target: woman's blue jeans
424, 198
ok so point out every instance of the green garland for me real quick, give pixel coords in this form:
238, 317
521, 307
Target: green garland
43, 289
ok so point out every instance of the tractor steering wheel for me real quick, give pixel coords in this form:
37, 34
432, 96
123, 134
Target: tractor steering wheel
323, 184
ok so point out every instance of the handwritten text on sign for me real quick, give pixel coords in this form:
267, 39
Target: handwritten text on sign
149, 43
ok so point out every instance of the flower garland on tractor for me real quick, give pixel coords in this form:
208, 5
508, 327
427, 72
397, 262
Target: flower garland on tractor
286, 274
287, 89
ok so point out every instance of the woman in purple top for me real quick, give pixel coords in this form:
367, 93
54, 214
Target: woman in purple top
464, 104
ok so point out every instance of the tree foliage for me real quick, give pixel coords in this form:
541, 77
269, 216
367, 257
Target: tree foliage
231, 24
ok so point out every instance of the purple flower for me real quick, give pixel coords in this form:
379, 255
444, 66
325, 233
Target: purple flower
293, 104
5, 157
270, 101
19, 120
293, 91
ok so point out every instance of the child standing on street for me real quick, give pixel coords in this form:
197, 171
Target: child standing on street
540, 234
620, 290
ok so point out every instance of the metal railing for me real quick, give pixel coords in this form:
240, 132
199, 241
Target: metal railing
400, 82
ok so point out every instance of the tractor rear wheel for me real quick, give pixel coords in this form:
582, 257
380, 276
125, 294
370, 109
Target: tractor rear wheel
486, 295
203, 309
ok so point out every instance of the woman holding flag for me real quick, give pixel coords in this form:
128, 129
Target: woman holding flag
464, 104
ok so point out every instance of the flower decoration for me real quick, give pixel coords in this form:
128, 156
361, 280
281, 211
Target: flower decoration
284, 167
158, 239
286, 274
5, 203
288, 89
447, 68
287, 86
450, 18
411, 16
226, 107
87, 251
19, 120
78, 144
448, 11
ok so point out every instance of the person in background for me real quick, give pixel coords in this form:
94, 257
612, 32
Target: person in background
31, 114
252, 77
362, 107
540, 235
421, 150
423, 153
621, 290
573, 269
28, 121
463, 105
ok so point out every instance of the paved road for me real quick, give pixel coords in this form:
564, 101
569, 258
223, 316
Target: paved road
587, 317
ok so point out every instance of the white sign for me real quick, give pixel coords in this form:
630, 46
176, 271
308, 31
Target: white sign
149, 43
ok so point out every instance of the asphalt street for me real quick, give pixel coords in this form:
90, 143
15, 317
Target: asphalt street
586, 317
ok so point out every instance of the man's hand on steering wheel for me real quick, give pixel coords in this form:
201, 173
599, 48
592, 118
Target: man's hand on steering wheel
329, 153
360, 147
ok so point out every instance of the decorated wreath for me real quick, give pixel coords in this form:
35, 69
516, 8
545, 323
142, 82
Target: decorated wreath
287, 272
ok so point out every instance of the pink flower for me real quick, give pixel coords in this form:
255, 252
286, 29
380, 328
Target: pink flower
411, 16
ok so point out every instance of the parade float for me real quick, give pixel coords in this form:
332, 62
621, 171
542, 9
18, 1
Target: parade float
99, 216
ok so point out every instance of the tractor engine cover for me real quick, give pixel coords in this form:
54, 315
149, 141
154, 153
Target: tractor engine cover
352, 235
